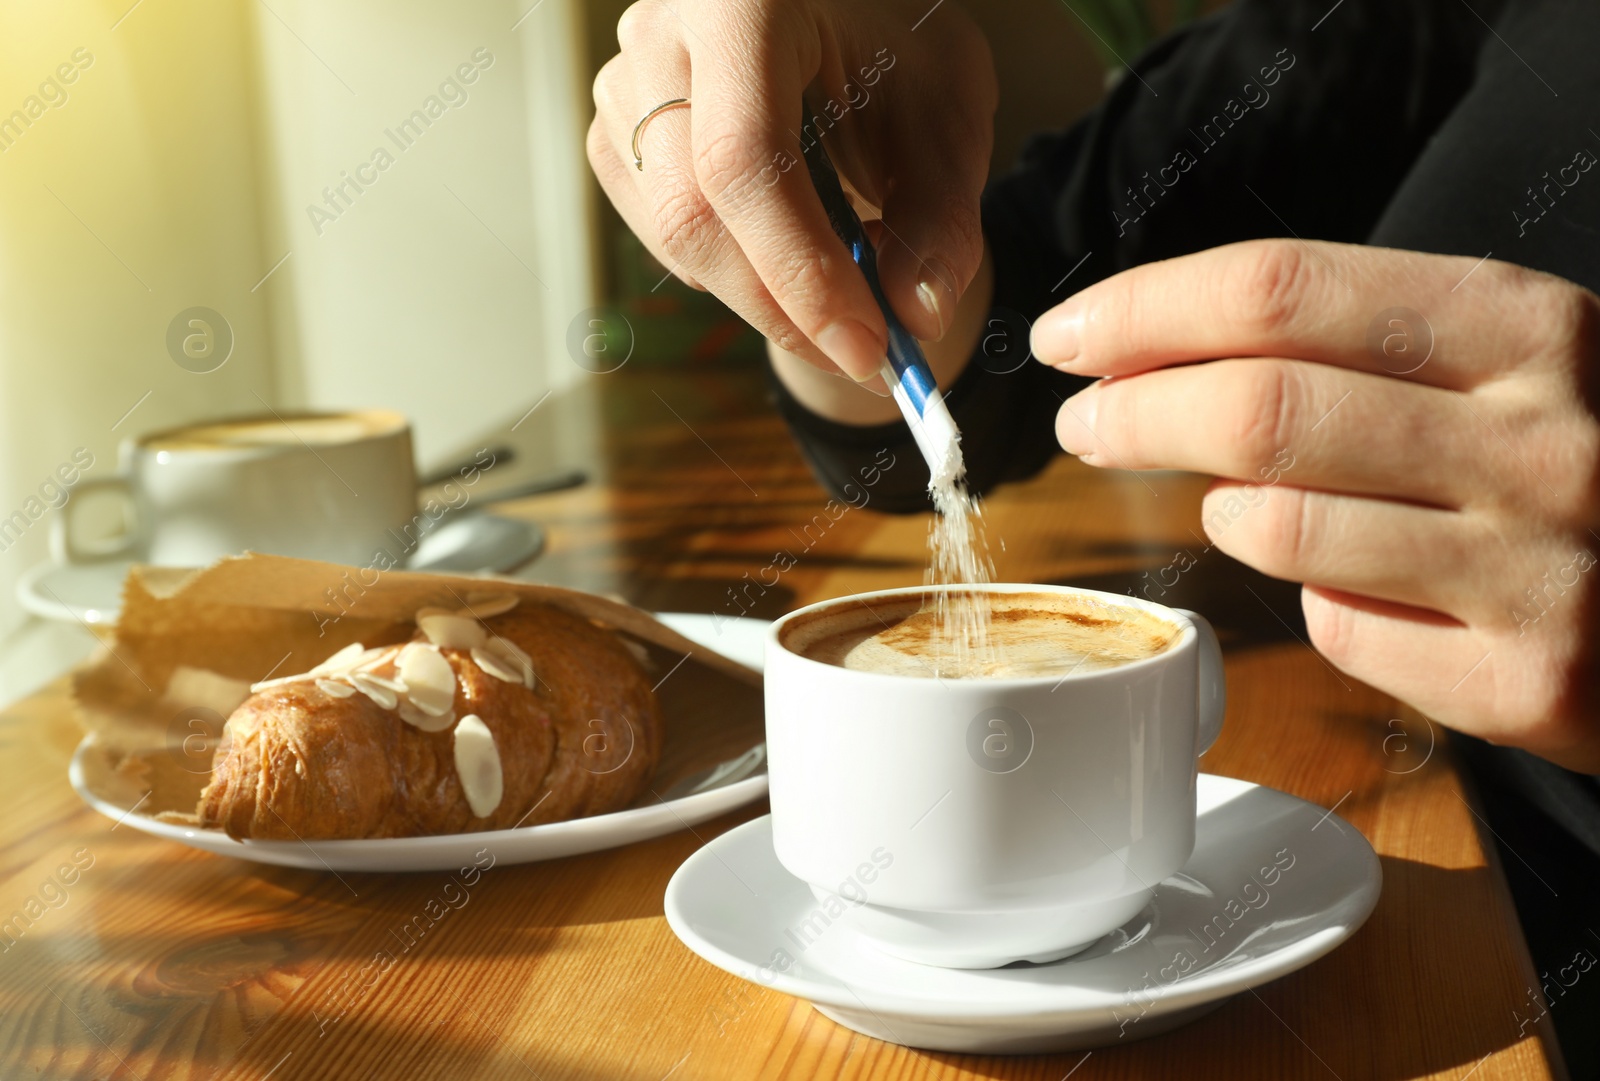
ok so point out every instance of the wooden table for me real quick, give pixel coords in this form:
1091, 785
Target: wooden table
161, 962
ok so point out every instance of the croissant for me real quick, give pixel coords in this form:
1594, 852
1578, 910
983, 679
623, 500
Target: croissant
490, 717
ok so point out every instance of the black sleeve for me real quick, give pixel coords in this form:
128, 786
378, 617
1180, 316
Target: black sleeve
1271, 118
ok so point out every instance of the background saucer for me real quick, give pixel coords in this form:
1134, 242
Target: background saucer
476, 543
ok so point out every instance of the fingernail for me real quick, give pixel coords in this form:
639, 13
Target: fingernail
1057, 334
1077, 434
936, 290
855, 349
875, 385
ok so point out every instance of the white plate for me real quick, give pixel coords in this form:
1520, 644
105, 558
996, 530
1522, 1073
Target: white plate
744, 780
464, 544
734, 905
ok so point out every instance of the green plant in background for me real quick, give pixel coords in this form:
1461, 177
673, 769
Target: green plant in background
1122, 29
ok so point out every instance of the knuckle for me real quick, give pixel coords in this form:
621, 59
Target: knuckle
726, 162
1536, 460
1560, 321
637, 25
1288, 532
963, 231
1115, 320
1331, 628
1585, 324
1269, 285
605, 86
1269, 410
787, 337
1116, 424
959, 244
802, 282
1570, 319
598, 148
685, 223
1275, 530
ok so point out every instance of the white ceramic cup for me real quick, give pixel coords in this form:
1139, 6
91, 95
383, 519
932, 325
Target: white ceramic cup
969, 823
328, 486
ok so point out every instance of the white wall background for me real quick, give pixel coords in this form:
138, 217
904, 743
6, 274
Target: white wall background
446, 287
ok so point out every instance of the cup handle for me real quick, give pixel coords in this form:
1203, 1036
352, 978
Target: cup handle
67, 550
1213, 689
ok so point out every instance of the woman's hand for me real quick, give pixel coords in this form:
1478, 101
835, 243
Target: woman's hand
1430, 477
903, 92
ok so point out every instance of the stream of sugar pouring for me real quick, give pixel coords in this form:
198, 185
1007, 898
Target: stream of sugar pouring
958, 552
958, 545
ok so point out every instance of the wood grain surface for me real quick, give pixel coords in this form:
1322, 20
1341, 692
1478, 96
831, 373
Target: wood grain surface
161, 962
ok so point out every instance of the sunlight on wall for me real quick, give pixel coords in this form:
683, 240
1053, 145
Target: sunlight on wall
127, 194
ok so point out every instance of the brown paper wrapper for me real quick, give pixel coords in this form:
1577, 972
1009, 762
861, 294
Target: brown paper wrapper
189, 643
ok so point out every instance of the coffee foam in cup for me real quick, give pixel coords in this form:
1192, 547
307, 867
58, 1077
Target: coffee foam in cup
318, 429
1032, 634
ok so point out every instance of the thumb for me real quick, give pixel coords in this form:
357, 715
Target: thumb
931, 247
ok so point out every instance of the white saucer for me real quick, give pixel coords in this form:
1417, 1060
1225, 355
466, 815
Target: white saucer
87, 592
691, 800
477, 541
463, 544
734, 905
